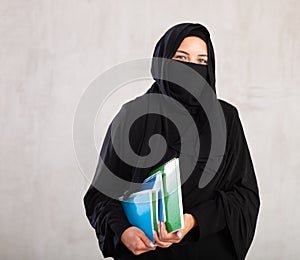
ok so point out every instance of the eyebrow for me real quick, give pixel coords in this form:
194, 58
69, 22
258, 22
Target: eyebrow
188, 53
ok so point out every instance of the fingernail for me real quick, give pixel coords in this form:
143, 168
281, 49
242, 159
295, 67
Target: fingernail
151, 244
179, 234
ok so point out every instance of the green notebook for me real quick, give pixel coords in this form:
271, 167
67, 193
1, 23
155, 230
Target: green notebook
171, 194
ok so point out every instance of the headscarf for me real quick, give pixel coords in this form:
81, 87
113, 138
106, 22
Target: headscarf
168, 44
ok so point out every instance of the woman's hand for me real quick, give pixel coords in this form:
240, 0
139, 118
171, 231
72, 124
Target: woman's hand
165, 239
136, 241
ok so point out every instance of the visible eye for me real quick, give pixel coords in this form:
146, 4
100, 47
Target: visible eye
181, 57
203, 61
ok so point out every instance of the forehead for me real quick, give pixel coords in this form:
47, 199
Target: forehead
193, 44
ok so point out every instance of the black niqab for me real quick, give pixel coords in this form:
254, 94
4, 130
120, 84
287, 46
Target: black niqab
226, 209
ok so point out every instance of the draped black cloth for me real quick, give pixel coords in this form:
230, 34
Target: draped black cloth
226, 209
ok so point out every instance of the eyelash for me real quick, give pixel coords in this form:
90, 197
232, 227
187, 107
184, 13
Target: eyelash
200, 60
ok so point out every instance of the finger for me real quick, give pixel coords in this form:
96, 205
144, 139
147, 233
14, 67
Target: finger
160, 243
147, 242
159, 229
168, 237
139, 247
179, 234
163, 231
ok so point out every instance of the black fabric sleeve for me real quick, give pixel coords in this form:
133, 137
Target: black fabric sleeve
237, 203
106, 216
104, 213
241, 202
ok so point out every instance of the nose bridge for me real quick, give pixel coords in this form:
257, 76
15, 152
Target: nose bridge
193, 58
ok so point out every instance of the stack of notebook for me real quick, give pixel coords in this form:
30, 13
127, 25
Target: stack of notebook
159, 199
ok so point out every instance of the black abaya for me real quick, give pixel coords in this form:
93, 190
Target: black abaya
226, 209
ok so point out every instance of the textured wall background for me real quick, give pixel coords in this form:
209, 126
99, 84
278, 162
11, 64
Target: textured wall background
51, 50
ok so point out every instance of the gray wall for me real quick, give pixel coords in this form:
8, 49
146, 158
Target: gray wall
51, 50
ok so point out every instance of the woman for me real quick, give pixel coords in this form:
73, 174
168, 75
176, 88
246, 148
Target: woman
220, 217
